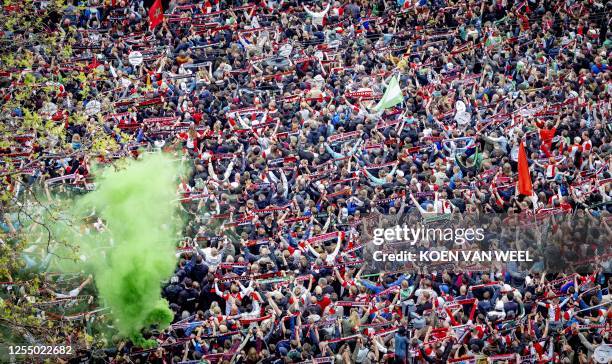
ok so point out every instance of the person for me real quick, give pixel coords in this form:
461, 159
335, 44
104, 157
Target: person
274, 109
401, 346
73, 293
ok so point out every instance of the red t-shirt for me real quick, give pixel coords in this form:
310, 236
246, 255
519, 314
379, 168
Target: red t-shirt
324, 303
547, 135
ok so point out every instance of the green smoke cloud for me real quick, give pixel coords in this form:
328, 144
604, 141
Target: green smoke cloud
136, 252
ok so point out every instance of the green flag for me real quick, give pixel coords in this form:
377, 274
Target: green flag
393, 96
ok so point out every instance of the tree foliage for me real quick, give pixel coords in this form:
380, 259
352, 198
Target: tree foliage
30, 137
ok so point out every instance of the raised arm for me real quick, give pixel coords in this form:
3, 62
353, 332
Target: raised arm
416, 203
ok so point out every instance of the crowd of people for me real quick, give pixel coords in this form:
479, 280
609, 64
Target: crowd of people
275, 104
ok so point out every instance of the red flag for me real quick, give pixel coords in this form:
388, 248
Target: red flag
207, 7
94, 63
524, 178
156, 14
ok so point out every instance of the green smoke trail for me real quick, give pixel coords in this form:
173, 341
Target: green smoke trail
137, 250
